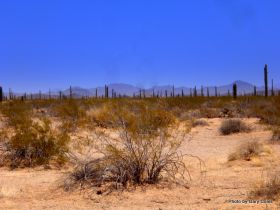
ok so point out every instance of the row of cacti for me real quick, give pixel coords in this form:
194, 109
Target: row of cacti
142, 92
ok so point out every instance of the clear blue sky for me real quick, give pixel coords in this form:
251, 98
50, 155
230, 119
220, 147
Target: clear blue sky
56, 43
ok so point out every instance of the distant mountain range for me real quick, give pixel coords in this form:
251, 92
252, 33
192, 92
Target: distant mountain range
130, 90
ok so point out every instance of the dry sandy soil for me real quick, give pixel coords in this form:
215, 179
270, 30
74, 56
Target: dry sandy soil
220, 181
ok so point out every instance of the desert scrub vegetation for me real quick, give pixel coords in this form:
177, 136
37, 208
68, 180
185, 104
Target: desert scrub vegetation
233, 126
276, 135
16, 113
268, 188
247, 151
29, 143
72, 113
143, 152
199, 122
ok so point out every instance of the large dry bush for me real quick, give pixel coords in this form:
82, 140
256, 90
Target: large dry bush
142, 152
29, 143
233, 126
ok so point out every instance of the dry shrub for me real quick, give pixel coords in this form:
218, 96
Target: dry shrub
142, 153
276, 135
267, 110
72, 114
246, 151
199, 122
30, 143
116, 113
233, 126
17, 113
35, 144
268, 188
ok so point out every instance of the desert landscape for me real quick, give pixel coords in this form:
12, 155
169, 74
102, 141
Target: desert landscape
226, 150
139, 105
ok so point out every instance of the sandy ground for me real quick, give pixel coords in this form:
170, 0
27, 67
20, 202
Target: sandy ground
220, 181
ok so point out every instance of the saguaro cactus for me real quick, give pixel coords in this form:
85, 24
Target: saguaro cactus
60, 95
255, 91
201, 91
195, 92
234, 90
106, 91
272, 88
173, 91
208, 93
182, 93
265, 80
70, 93
1, 94
216, 91
96, 93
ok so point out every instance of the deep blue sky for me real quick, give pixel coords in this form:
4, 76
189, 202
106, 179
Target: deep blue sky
56, 43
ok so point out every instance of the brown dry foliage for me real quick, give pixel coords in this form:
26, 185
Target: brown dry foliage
268, 189
233, 126
246, 151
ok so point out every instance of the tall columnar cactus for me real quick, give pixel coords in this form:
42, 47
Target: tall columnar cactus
272, 88
1, 94
153, 93
140, 93
96, 93
195, 92
166, 94
40, 95
173, 91
265, 81
70, 93
234, 90
202, 91
228, 93
10, 94
208, 93
106, 91
60, 95
255, 91
182, 93
216, 91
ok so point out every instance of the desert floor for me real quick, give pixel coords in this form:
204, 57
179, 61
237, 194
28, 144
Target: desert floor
210, 188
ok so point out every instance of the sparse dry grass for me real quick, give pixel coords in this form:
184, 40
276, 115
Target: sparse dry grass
199, 122
269, 188
247, 151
